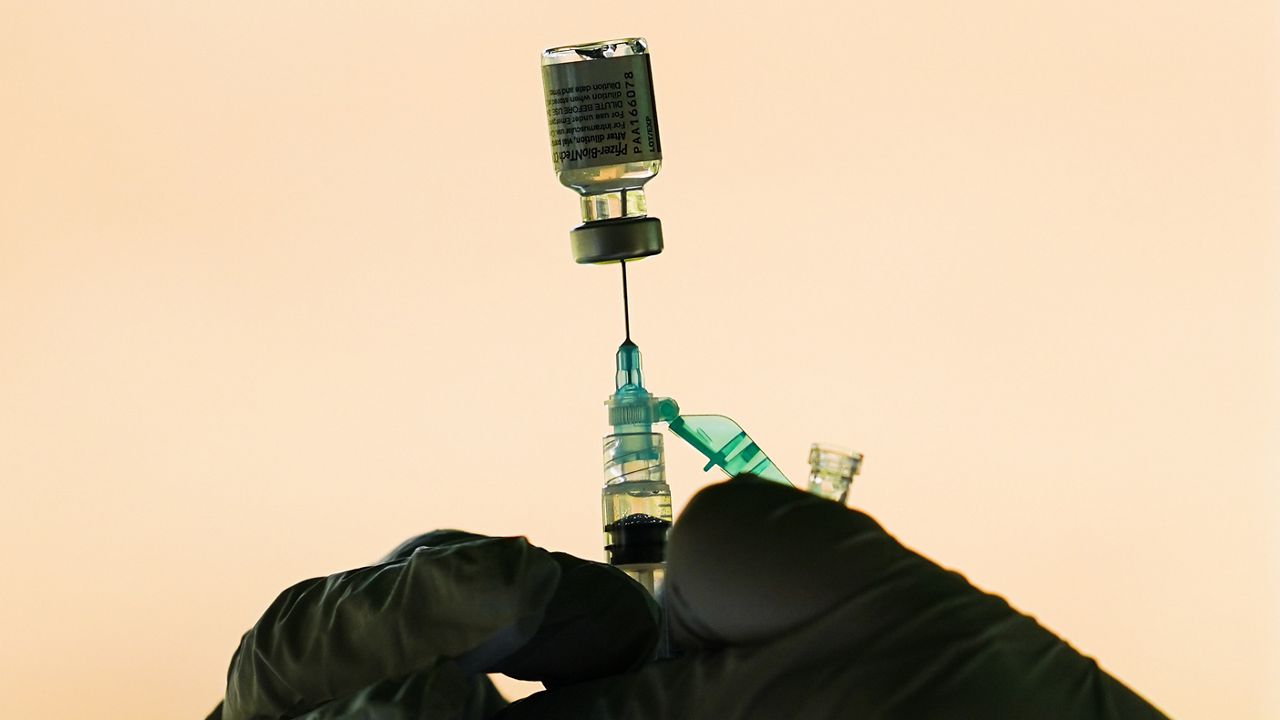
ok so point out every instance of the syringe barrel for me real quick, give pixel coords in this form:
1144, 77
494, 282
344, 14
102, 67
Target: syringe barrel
636, 500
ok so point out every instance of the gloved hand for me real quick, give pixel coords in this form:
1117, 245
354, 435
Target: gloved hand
784, 604
791, 606
414, 635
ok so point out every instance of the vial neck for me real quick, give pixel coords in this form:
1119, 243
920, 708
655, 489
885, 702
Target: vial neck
830, 485
831, 471
613, 205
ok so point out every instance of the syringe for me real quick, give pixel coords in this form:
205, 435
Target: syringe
636, 500
605, 145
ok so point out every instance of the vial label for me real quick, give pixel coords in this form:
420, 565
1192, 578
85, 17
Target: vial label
601, 112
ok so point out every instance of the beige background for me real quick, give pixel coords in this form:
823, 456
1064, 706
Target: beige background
284, 283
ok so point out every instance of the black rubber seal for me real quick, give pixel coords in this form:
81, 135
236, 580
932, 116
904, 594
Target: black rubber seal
613, 240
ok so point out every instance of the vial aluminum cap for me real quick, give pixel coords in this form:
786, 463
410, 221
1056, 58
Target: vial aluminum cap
614, 240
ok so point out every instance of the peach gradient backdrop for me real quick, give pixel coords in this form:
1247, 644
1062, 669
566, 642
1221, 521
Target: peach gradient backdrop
283, 283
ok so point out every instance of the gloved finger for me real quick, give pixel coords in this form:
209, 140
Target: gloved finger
600, 622
798, 607
441, 692
749, 560
435, 538
800, 676
325, 638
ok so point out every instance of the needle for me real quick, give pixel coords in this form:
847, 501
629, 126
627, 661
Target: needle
626, 305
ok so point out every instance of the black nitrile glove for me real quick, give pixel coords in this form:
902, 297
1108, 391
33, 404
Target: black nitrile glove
791, 606
785, 605
413, 636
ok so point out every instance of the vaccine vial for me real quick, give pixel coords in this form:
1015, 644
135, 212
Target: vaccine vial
831, 471
605, 144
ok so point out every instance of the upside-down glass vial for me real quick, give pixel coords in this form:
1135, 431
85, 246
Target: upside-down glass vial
603, 128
